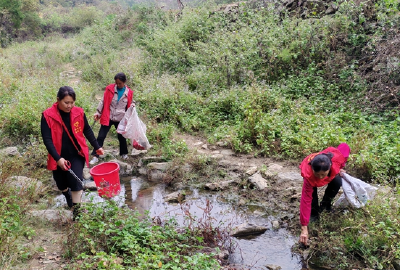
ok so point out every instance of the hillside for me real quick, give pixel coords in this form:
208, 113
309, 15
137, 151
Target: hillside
271, 79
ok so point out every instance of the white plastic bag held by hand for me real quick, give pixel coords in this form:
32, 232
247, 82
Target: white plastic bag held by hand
132, 128
355, 192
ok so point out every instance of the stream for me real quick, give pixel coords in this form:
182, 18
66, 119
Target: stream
273, 247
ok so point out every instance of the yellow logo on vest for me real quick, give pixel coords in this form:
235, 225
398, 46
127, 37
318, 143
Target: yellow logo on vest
77, 127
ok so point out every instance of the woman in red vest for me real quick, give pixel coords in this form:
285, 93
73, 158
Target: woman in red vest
317, 170
64, 128
111, 110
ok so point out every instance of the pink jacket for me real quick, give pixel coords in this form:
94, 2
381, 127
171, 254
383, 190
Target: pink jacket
341, 154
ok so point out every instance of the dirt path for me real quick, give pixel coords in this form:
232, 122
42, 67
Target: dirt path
48, 246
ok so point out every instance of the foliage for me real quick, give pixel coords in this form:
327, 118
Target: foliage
263, 81
69, 20
371, 235
14, 204
106, 237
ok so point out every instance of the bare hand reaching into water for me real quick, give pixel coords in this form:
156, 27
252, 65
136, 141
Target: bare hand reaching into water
304, 235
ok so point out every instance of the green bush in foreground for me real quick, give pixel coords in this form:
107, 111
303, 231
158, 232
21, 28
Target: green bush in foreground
369, 235
106, 237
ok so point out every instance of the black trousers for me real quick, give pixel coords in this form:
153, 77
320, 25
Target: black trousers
123, 147
330, 192
65, 179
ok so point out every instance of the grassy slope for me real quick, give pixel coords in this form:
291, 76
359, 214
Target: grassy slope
269, 83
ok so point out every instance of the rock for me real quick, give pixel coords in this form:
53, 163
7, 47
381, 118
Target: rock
273, 169
248, 229
155, 175
230, 7
176, 197
384, 190
10, 151
198, 143
242, 202
224, 255
396, 264
228, 152
251, 170
260, 213
161, 166
204, 146
146, 160
86, 173
219, 186
90, 185
53, 214
275, 224
136, 152
201, 152
124, 168
306, 253
24, 183
224, 163
289, 177
258, 181
217, 156
330, 10
142, 171
221, 144
273, 267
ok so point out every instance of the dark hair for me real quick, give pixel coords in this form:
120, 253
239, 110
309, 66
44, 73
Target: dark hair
321, 162
120, 76
66, 91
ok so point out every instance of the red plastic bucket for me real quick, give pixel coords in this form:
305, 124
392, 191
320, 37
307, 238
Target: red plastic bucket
106, 178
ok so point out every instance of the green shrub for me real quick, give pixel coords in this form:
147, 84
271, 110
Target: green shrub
369, 235
130, 242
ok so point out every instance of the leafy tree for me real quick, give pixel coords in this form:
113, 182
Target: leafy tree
11, 10
18, 20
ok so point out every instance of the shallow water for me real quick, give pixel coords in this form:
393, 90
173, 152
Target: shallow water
255, 252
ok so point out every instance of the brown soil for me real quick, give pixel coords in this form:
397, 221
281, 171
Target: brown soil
48, 246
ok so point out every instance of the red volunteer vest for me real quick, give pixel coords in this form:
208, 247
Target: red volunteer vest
107, 98
53, 119
337, 163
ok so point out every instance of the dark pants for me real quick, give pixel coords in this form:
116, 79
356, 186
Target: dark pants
65, 179
123, 147
330, 192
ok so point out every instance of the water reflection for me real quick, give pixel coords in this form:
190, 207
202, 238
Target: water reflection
272, 247
256, 252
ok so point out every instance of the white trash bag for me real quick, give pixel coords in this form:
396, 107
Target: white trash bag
356, 193
132, 128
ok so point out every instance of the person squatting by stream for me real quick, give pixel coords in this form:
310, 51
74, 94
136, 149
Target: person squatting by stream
111, 110
318, 170
64, 128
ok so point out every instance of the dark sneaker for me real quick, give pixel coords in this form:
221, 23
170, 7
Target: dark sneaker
68, 197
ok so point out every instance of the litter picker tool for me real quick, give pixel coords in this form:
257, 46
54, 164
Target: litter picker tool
68, 165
